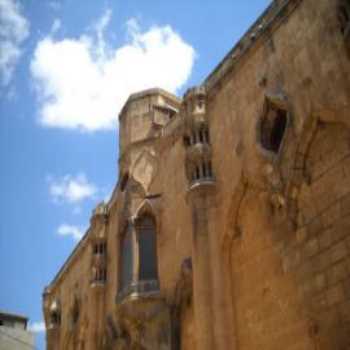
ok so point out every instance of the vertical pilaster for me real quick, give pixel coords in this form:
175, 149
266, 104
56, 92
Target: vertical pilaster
201, 274
222, 303
99, 249
212, 304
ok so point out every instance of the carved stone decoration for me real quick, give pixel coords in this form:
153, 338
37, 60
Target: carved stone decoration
144, 324
134, 194
149, 206
145, 169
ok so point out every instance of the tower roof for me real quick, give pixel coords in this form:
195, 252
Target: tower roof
146, 93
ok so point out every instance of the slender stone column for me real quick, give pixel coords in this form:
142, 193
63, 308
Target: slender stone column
211, 301
222, 303
212, 305
96, 306
202, 284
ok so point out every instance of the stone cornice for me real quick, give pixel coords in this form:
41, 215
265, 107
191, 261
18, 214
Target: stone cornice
69, 261
260, 29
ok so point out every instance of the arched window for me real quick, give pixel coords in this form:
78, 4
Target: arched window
126, 260
187, 141
146, 233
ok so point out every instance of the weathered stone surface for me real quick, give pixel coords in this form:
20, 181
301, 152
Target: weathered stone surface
261, 204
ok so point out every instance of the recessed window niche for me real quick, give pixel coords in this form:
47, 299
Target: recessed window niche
272, 128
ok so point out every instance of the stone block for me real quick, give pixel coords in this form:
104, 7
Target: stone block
338, 252
311, 248
326, 239
335, 295
315, 226
337, 273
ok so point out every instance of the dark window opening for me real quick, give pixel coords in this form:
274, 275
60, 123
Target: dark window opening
1, 322
75, 317
193, 176
124, 182
187, 141
210, 169
75, 312
204, 170
343, 19
206, 133
148, 268
201, 136
197, 173
126, 260
273, 128
100, 248
194, 138
55, 318
101, 275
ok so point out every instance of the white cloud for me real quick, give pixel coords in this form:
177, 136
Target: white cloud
37, 327
70, 230
71, 189
14, 29
83, 83
56, 26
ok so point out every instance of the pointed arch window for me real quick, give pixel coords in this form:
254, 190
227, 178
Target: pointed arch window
146, 234
138, 269
127, 260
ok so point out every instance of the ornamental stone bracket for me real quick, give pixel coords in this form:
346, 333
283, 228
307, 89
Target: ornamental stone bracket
146, 324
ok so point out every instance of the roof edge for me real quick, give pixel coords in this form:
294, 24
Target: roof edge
249, 39
149, 92
67, 262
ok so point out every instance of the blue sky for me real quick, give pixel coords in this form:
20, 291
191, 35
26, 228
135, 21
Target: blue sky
66, 68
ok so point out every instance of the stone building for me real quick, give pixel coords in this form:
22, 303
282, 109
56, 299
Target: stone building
229, 227
13, 332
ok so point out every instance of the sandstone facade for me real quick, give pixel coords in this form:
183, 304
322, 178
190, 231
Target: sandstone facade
229, 227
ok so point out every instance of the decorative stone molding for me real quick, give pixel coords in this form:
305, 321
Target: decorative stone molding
198, 165
98, 246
